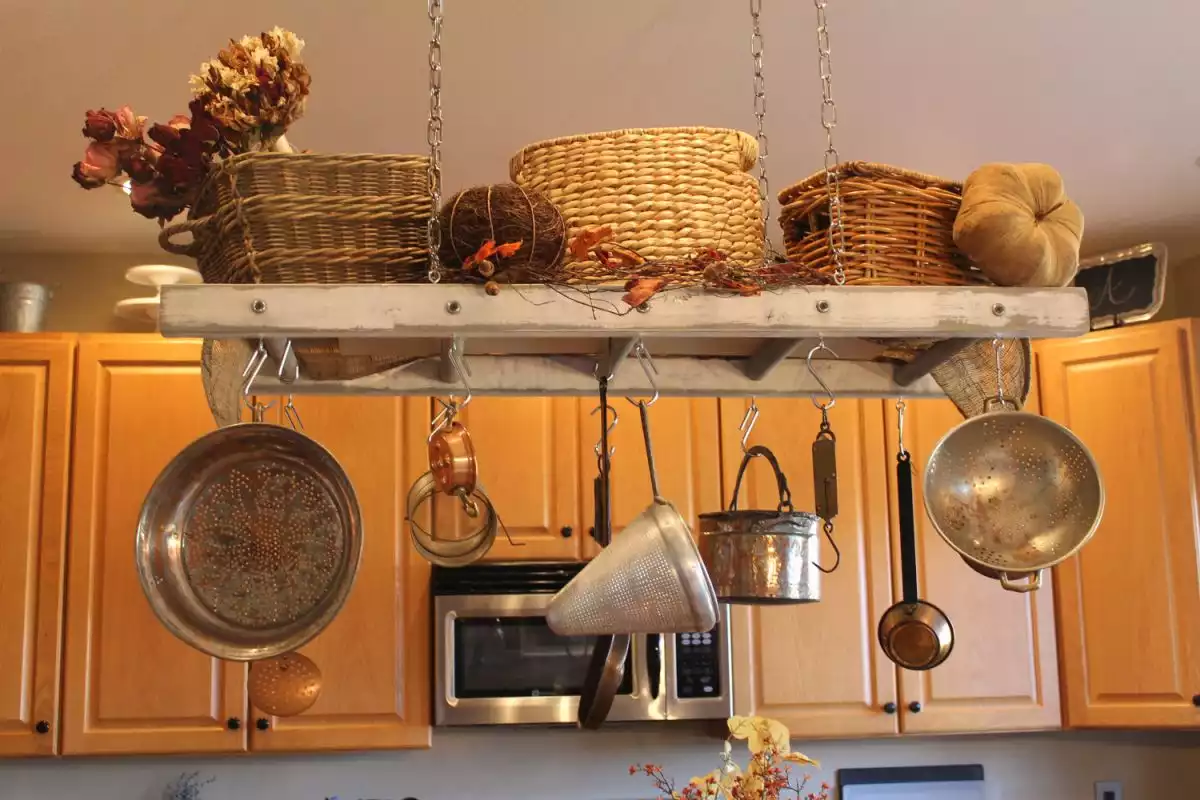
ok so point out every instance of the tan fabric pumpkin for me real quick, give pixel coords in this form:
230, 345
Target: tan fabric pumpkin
1018, 225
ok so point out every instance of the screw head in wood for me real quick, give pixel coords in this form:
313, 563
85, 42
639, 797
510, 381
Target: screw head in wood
822, 306
258, 305
453, 307
998, 309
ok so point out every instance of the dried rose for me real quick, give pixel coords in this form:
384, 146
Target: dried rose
140, 168
100, 125
100, 164
84, 178
148, 200
129, 125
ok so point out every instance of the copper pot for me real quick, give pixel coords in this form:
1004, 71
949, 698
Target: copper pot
452, 460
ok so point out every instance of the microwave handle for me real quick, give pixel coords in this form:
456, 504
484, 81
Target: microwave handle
654, 662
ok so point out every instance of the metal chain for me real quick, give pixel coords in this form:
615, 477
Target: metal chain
760, 114
837, 234
433, 229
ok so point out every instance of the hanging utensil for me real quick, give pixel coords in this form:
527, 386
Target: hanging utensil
285, 685
1011, 491
459, 551
221, 364
649, 580
913, 633
249, 540
824, 459
451, 452
762, 557
606, 669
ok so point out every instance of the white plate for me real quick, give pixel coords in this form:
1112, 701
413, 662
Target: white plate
161, 275
138, 309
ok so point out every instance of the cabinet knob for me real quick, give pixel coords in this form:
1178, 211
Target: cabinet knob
262, 723
233, 723
42, 726
1196, 700
914, 707
889, 708
566, 531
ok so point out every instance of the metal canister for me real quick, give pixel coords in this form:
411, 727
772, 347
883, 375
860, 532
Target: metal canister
22, 306
762, 557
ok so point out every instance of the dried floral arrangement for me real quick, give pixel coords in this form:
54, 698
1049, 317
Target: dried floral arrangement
768, 775
243, 100
188, 786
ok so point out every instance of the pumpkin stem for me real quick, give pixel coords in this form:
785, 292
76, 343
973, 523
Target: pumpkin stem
1043, 215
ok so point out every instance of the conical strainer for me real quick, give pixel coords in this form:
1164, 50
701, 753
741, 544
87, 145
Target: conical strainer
650, 579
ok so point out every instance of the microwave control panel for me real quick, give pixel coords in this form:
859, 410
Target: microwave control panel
697, 664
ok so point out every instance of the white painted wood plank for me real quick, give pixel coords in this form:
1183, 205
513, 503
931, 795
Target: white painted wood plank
572, 376
418, 310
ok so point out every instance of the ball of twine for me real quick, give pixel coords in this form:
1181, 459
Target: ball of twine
505, 213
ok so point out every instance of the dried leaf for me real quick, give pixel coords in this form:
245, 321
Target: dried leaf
485, 251
583, 243
639, 290
617, 256
510, 249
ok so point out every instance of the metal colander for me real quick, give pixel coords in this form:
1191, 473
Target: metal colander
649, 580
1013, 491
249, 541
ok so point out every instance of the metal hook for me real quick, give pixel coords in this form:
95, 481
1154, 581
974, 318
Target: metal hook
443, 418
254, 367
292, 414
598, 448
460, 367
283, 360
808, 361
900, 428
837, 554
747, 425
648, 367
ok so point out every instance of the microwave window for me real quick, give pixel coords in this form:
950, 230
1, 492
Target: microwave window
521, 657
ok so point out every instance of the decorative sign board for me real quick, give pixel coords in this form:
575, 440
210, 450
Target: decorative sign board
1124, 286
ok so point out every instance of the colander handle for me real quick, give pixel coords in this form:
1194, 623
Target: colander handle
1000, 402
1033, 582
785, 494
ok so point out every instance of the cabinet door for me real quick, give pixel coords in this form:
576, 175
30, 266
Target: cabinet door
36, 373
130, 686
528, 451
1003, 671
374, 657
687, 454
1129, 603
817, 667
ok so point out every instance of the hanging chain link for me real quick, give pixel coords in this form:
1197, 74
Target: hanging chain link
760, 114
433, 229
837, 234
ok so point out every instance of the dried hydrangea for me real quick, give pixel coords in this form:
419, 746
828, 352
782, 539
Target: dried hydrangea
255, 88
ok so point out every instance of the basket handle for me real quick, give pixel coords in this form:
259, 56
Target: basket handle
785, 494
192, 226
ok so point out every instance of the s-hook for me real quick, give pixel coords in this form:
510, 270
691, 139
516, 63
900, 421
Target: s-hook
452, 405
747, 424
648, 367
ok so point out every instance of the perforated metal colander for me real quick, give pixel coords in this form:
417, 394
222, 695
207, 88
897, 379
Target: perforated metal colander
1013, 491
249, 541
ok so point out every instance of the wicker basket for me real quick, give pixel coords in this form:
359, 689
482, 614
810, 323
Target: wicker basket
898, 227
665, 192
309, 218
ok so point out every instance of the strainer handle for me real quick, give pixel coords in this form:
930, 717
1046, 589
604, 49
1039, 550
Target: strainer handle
1001, 402
785, 494
1033, 583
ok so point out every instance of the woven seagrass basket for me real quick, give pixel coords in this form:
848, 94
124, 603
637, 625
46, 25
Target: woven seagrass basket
309, 218
898, 227
667, 193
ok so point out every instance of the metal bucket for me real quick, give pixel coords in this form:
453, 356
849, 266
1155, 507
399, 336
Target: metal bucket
22, 306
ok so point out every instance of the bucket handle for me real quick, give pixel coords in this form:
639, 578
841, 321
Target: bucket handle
192, 226
785, 494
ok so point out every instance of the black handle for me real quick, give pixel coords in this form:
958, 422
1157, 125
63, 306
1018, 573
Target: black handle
914, 707
785, 495
42, 726
566, 531
1196, 700
262, 723
889, 708
654, 662
233, 723
908, 530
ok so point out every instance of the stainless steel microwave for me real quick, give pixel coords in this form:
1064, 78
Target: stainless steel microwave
498, 663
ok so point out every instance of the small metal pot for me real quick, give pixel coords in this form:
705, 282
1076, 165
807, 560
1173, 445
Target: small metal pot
762, 557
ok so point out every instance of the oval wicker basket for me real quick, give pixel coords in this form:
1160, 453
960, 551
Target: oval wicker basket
309, 218
898, 227
665, 192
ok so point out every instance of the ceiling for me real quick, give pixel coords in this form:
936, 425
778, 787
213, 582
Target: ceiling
1106, 92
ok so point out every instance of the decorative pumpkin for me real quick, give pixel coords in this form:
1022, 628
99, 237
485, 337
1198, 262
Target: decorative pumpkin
1018, 225
526, 231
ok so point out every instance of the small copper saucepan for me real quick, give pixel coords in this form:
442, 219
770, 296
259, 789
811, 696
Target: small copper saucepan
452, 460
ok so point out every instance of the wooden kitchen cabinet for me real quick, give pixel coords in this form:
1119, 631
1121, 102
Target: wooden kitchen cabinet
687, 454
528, 452
817, 667
1003, 672
129, 685
375, 656
1129, 603
36, 376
